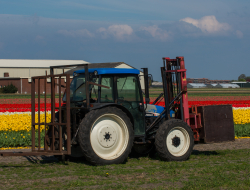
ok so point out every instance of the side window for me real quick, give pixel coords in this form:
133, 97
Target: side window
127, 89
107, 94
79, 88
94, 90
128, 93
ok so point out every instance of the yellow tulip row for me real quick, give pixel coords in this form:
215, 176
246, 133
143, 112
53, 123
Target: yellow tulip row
20, 121
241, 115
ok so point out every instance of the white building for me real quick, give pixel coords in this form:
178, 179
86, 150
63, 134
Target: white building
221, 85
196, 85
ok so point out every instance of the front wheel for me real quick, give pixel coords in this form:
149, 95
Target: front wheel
174, 140
106, 136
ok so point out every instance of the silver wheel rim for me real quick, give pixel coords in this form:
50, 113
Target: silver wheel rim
178, 141
109, 136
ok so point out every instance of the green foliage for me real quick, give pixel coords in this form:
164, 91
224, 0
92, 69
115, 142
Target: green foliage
242, 80
9, 89
242, 76
18, 138
242, 130
23, 138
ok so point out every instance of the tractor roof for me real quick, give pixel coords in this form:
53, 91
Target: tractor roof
102, 71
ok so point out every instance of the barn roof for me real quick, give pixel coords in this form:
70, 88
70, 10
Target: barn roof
36, 63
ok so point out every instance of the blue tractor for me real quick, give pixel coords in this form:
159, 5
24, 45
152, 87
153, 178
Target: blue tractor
111, 119
104, 117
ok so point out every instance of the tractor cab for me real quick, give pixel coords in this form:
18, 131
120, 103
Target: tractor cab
118, 87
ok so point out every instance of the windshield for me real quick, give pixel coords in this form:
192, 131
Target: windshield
78, 89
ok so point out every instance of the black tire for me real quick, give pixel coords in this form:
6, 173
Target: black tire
174, 148
114, 124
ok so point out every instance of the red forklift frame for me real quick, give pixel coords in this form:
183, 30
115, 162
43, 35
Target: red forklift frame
174, 69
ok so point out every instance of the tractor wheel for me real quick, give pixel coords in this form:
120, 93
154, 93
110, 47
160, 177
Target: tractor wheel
174, 140
106, 136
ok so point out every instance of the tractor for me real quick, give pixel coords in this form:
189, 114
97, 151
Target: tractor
104, 115
109, 117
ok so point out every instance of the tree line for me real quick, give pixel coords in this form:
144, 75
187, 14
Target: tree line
243, 77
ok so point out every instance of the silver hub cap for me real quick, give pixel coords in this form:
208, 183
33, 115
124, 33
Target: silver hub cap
109, 136
178, 141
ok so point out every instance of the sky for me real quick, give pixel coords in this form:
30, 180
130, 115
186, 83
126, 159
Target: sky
213, 36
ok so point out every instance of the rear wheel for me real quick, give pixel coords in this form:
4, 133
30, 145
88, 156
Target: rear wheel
106, 136
174, 140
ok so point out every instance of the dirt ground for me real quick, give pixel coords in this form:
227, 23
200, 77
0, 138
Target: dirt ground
232, 145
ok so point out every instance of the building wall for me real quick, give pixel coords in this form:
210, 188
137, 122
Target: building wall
8, 81
24, 85
28, 72
243, 85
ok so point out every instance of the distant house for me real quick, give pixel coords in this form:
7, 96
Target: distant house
242, 84
156, 85
227, 86
196, 85
19, 71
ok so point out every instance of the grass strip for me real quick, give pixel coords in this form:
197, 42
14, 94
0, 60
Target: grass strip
242, 130
227, 169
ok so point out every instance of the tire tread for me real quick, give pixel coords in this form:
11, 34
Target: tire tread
160, 141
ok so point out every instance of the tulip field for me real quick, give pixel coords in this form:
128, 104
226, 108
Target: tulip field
15, 116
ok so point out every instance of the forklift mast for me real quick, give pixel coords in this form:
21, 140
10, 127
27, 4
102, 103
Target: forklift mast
175, 87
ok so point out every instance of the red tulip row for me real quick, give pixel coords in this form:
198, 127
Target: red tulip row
27, 107
240, 103
24, 107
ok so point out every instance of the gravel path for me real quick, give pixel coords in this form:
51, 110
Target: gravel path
232, 145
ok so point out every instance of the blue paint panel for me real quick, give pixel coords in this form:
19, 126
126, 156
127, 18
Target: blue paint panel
159, 109
171, 113
102, 71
